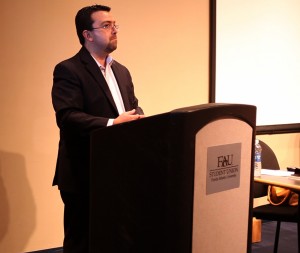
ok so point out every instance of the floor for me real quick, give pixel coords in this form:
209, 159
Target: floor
287, 241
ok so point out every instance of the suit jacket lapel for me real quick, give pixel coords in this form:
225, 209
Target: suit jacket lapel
92, 67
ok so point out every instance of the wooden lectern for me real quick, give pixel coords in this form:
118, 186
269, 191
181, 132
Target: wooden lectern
178, 182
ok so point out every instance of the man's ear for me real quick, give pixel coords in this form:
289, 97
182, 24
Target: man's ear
87, 35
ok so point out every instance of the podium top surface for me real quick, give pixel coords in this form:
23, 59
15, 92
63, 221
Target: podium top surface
212, 106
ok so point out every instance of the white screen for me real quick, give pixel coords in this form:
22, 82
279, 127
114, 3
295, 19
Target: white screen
258, 57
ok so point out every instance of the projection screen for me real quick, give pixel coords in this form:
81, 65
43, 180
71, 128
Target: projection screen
257, 58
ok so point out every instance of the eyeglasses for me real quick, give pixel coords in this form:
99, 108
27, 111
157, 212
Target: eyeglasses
107, 27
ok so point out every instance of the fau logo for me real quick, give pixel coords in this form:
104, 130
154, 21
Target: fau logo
224, 161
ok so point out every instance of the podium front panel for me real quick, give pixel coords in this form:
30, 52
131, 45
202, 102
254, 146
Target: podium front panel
222, 187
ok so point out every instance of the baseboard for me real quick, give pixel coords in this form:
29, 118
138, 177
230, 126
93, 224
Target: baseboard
53, 250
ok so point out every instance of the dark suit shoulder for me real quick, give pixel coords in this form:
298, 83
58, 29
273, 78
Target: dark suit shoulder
118, 65
82, 57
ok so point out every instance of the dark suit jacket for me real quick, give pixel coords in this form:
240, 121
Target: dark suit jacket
83, 102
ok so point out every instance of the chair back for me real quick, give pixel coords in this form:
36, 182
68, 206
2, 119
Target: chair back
268, 157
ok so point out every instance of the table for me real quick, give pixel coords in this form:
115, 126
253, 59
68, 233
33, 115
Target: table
283, 181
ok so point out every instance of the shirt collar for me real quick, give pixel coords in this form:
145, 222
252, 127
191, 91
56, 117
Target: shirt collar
109, 61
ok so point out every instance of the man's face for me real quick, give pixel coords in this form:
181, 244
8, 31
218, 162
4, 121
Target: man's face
104, 32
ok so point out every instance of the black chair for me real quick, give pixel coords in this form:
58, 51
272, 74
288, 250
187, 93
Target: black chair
270, 212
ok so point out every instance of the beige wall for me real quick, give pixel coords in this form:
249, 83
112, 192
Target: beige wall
163, 43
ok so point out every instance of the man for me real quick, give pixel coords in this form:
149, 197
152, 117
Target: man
90, 91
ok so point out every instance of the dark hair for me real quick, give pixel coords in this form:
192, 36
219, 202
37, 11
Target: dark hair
83, 20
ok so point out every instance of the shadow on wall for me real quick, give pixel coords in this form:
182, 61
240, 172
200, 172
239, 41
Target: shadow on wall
17, 207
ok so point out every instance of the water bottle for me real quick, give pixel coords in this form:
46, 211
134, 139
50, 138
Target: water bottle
257, 159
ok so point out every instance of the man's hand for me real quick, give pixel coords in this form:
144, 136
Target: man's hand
127, 116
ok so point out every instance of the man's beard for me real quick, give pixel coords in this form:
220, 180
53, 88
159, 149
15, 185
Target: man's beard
112, 46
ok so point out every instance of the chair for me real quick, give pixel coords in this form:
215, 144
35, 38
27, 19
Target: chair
270, 212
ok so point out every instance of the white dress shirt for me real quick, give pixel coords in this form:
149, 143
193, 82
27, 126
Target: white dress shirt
113, 85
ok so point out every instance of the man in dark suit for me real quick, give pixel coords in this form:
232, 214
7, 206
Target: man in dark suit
90, 91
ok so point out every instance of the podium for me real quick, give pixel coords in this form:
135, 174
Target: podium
177, 182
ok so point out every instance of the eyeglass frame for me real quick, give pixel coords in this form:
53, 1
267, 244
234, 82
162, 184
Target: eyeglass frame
108, 26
